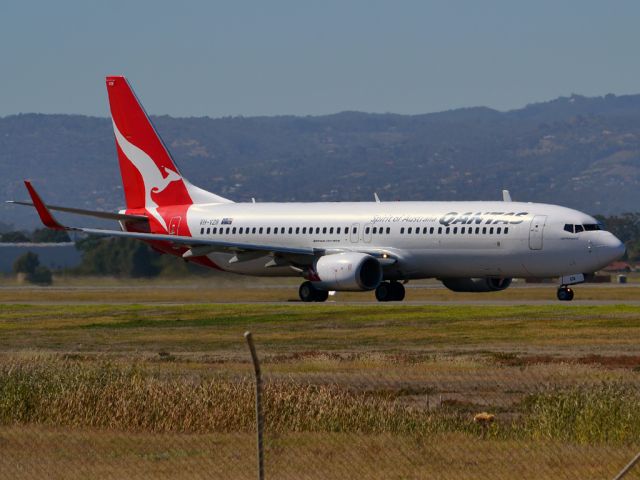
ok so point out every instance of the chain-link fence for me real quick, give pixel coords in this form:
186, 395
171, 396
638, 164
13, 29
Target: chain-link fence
420, 406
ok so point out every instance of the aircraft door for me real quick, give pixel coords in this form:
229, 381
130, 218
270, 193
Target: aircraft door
354, 232
536, 230
366, 234
174, 225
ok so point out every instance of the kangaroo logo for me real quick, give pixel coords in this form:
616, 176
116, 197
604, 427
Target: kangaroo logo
155, 181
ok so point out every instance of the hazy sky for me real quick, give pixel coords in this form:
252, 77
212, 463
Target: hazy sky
301, 57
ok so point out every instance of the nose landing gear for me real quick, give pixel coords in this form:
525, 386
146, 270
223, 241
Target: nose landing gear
565, 293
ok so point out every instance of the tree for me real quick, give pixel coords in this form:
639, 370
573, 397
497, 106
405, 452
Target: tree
47, 235
29, 265
26, 263
14, 237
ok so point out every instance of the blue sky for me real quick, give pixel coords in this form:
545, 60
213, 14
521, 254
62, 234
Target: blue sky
240, 57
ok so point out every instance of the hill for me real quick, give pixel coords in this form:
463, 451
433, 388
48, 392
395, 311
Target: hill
577, 151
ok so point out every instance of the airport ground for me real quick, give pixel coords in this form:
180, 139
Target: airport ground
152, 380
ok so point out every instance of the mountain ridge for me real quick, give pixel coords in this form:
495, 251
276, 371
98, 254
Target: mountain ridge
582, 152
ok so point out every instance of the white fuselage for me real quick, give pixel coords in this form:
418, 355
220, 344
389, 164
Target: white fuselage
429, 239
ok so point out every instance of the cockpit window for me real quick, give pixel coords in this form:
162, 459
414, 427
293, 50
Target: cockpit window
568, 228
579, 228
590, 227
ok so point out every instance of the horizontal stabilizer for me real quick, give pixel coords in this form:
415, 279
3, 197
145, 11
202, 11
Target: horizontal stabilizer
88, 213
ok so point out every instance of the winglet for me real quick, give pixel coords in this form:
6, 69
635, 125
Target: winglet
43, 211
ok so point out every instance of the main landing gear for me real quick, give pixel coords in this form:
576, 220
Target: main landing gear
565, 293
309, 293
390, 292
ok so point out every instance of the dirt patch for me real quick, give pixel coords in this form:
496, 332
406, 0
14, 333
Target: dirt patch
631, 362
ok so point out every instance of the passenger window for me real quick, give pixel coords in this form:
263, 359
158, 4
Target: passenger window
346, 230
462, 230
260, 231
498, 230
484, 230
417, 230
439, 229
402, 230
228, 230
268, 230
455, 230
431, 230
207, 231
491, 231
506, 230
324, 230
338, 231
253, 230
367, 230
331, 231
317, 230
355, 230
447, 230
240, 230
568, 228
579, 228
409, 230
424, 231
388, 230
477, 230
297, 230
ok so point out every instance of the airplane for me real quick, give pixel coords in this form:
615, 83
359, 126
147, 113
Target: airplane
474, 246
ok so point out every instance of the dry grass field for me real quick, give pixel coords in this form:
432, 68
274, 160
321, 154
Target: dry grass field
153, 381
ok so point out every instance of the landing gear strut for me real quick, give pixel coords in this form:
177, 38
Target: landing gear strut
309, 293
390, 292
565, 294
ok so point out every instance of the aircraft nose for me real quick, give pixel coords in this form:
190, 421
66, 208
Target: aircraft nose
609, 248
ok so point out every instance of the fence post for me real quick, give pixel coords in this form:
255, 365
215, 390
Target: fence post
628, 468
259, 411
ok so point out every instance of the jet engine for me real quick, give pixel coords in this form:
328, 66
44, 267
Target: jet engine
349, 271
476, 284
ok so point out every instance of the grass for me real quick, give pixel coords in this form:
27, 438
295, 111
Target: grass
352, 391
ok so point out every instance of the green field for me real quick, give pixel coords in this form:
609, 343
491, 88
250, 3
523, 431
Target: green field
155, 390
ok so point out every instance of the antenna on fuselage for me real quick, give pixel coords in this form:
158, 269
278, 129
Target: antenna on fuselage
253, 199
375, 195
506, 196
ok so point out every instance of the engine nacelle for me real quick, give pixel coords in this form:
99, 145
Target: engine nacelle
476, 284
349, 271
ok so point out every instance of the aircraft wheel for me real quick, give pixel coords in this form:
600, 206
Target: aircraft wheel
398, 291
321, 295
565, 294
307, 292
384, 292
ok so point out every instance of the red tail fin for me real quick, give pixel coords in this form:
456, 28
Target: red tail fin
150, 178
149, 175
